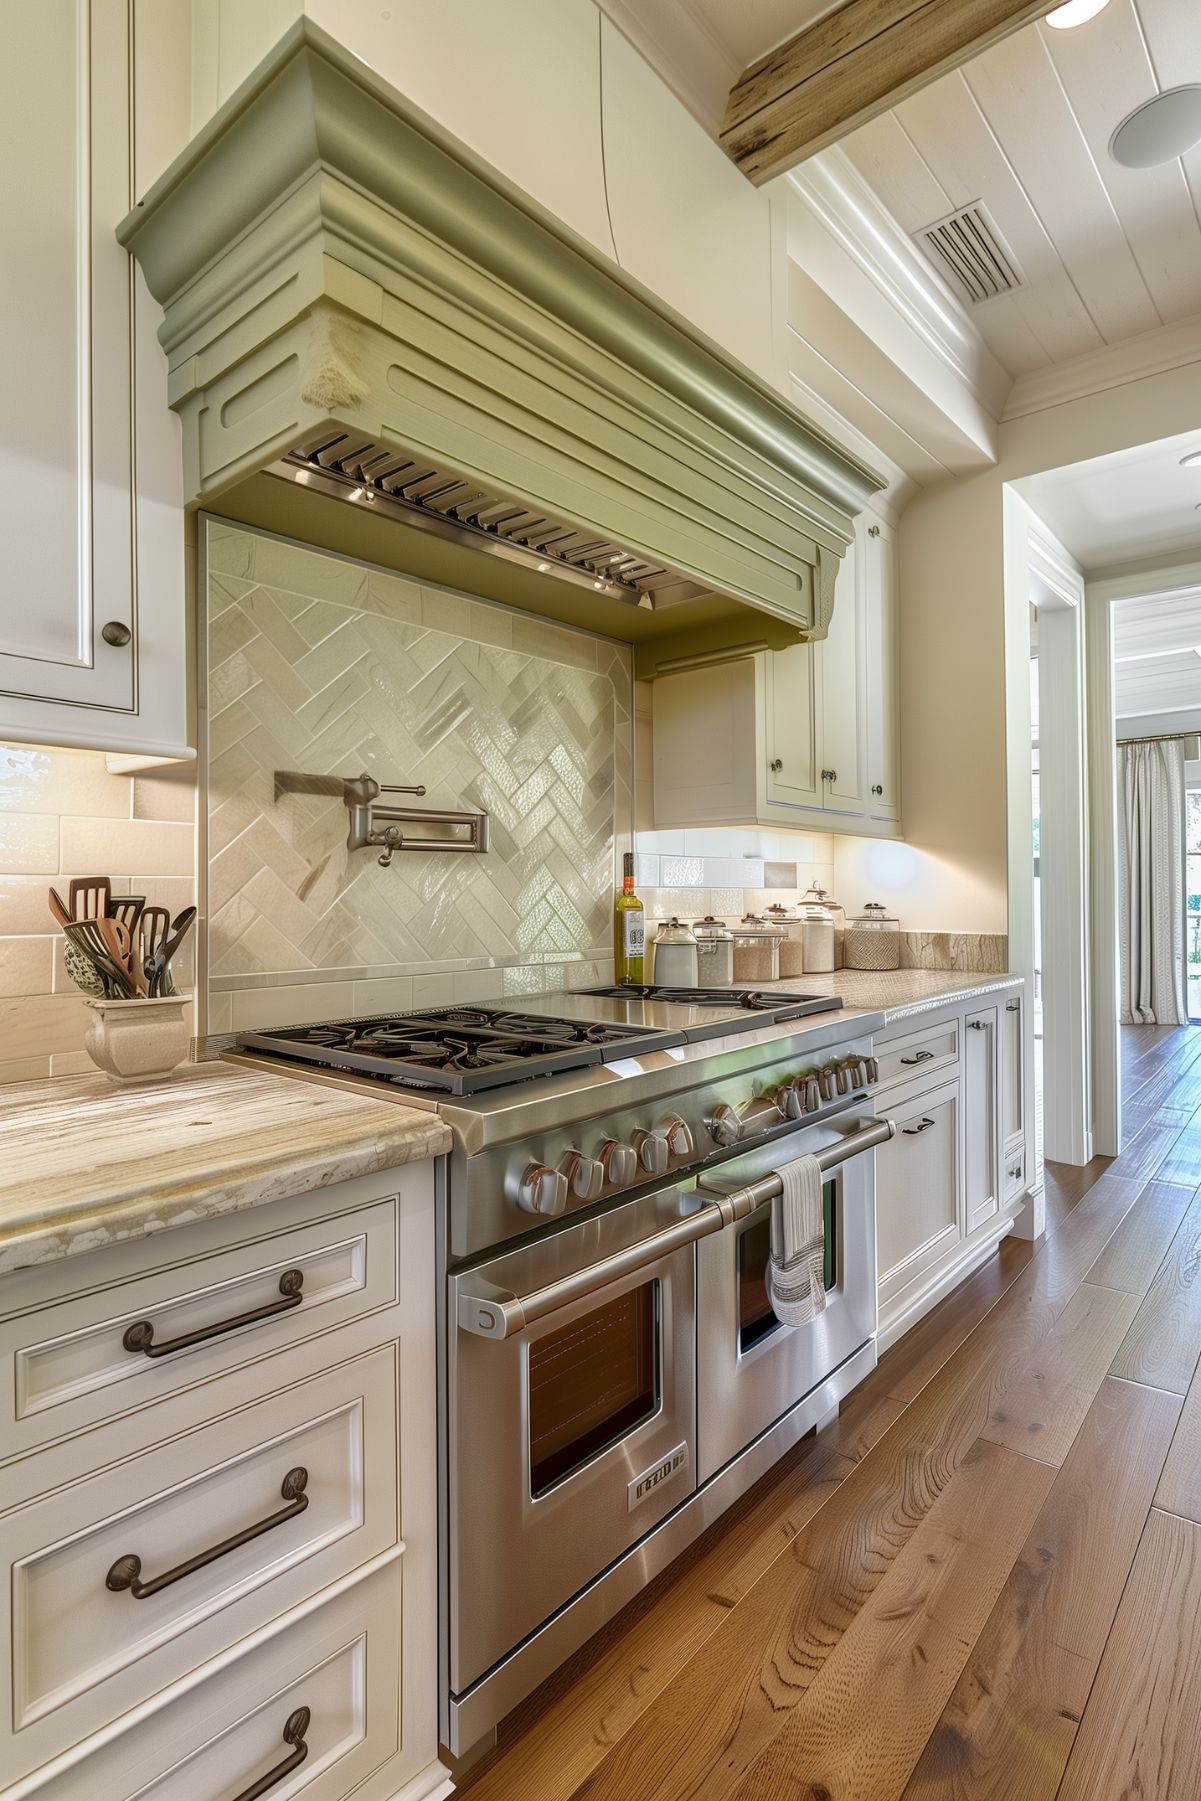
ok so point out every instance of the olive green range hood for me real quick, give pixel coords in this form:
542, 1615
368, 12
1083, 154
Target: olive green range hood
377, 343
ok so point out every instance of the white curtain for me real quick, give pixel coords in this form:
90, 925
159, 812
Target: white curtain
1151, 882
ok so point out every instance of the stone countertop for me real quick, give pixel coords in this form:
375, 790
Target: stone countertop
85, 1164
899, 993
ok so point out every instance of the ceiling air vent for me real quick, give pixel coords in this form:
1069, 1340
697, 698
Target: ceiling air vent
968, 251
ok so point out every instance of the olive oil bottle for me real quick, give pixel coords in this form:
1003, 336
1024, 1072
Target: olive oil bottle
629, 928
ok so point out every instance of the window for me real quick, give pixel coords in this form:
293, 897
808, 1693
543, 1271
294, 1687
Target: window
592, 1383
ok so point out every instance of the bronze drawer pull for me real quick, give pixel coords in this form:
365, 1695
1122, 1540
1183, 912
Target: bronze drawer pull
919, 1057
140, 1336
923, 1125
127, 1571
295, 1727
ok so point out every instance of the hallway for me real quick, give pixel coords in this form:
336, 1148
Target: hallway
985, 1580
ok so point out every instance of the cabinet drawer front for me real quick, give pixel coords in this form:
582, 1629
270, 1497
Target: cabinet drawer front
917, 1054
917, 1187
101, 1354
224, 1542
341, 1662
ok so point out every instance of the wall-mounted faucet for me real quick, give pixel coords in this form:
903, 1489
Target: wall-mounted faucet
372, 825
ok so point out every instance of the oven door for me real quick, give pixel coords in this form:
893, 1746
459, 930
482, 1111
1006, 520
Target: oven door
571, 1432
751, 1370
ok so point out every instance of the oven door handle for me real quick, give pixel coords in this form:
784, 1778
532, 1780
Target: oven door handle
491, 1312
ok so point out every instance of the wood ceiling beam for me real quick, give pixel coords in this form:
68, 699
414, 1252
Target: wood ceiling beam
849, 67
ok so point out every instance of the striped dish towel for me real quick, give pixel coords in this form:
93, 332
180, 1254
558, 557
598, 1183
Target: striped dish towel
798, 1245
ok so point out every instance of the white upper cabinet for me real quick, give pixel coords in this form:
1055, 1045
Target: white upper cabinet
803, 738
92, 605
883, 768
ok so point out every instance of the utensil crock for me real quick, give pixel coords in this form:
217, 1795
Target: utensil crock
138, 1040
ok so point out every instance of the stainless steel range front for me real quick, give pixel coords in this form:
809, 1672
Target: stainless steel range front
612, 1375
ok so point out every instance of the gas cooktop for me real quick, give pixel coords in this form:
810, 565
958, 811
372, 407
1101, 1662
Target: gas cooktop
753, 1000
460, 1050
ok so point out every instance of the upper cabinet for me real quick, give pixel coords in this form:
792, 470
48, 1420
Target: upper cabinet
92, 623
803, 738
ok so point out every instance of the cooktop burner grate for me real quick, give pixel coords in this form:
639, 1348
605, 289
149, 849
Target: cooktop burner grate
459, 1049
752, 1000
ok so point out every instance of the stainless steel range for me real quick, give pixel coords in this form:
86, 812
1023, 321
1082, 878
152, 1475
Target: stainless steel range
612, 1375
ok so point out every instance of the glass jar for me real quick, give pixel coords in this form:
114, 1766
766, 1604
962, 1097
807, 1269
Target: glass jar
756, 952
817, 930
792, 944
816, 896
714, 953
873, 941
675, 956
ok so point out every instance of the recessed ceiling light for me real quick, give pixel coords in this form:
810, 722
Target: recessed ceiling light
1191, 460
1159, 130
1075, 12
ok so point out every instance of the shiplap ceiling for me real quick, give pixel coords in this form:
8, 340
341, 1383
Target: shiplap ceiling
1107, 253
1136, 505
1156, 640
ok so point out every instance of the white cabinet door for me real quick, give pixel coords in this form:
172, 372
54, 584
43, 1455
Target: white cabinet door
91, 608
843, 689
1012, 1099
917, 1189
880, 669
981, 1148
794, 727
65, 373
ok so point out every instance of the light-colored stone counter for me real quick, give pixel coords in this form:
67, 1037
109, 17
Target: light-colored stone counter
84, 1164
898, 993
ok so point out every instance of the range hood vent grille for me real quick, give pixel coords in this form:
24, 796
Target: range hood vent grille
967, 250
372, 473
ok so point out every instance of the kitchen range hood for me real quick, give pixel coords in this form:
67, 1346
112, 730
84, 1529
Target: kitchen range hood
361, 312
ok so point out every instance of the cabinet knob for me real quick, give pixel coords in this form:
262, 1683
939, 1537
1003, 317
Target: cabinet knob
877, 789
829, 775
116, 633
776, 765
873, 531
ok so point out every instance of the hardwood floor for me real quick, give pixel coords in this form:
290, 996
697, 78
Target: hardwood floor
983, 1582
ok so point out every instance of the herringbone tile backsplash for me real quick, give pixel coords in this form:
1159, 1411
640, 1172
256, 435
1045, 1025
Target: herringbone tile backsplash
330, 667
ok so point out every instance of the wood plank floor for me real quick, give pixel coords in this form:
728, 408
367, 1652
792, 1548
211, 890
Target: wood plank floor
983, 1583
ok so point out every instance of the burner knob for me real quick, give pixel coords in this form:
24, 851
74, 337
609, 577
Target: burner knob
854, 1069
542, 1190
725, 1124
791, 1100
825, 1083
873, 1070
652, 1152
813, 1091
679, 1138
585, 1175
619, 1162
842, 1080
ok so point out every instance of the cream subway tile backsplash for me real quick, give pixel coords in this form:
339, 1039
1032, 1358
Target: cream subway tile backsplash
324, 666
93, 845
64, 813
26, 966
29, 843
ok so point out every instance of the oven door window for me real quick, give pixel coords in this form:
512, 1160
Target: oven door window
755, 1317
592, 1383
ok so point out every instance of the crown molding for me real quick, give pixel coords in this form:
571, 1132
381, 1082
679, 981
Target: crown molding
683, 52
1151, 353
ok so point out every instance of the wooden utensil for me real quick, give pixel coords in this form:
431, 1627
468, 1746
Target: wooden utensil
58, 908
118, 940
89, 896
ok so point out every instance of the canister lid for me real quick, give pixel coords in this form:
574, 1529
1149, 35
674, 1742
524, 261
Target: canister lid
709, 927
673, 932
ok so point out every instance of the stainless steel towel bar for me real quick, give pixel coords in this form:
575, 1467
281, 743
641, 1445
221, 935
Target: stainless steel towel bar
490, 1312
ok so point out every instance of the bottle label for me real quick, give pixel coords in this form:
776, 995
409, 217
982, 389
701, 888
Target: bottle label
633, 933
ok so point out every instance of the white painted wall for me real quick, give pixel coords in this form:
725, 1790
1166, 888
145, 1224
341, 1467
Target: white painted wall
551, 94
